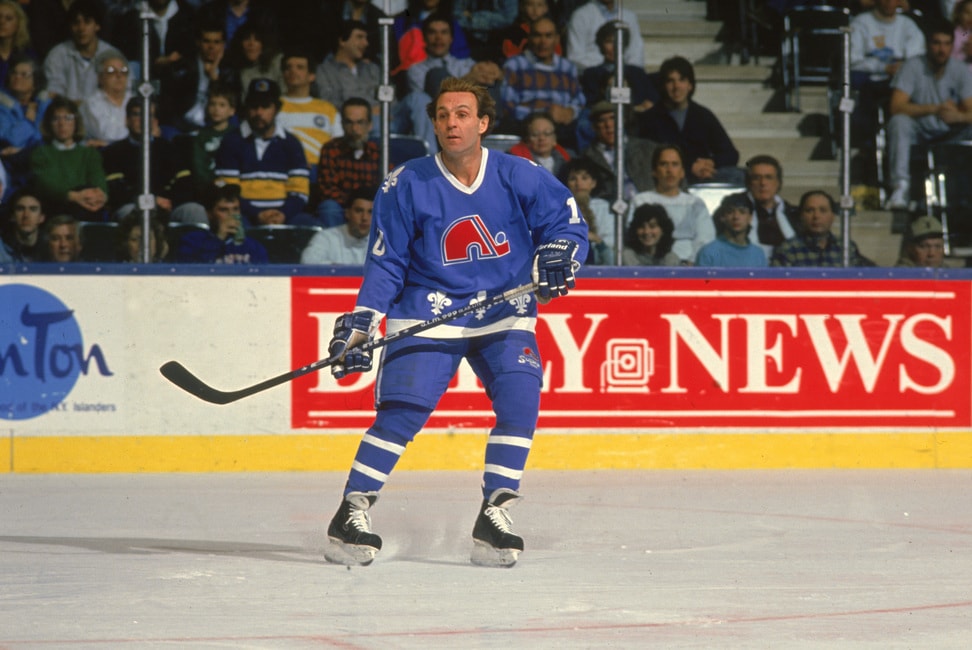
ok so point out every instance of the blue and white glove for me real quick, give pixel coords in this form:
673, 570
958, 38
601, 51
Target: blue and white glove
553, 269
350, 331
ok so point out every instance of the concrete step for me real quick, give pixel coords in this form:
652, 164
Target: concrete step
657, 10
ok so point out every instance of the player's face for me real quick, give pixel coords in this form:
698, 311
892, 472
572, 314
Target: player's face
542, 137
649, 233
678, 89
817, 215
669, 171
27, 215
457, 126
64, 243
358, 218
764, 183
438, 39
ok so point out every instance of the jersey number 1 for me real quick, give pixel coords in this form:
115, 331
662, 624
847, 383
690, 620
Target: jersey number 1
575, 216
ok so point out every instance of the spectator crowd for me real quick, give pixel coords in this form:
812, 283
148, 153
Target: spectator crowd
267, 114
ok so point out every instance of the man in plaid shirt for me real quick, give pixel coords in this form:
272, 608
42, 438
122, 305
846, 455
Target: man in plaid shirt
347, 163
815, 245
541, 80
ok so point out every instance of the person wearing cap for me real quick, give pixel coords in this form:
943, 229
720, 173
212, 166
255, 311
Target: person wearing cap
732, 247
924, 245
266, 161
583, 31
638, 153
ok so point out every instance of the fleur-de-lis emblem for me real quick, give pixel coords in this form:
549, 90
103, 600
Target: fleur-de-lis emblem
392, 179
480, 297
521, 303
439, 301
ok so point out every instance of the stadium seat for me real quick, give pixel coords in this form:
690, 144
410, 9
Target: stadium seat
948, 194
811, 47
99, 241
402, 148
284, 242
713, 193
500, 141
173, 234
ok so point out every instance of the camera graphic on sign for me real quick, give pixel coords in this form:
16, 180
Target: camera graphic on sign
628, 365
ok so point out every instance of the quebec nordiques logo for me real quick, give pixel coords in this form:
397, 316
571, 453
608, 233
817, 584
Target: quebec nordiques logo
41, 352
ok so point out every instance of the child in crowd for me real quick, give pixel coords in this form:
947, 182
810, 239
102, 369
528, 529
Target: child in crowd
220, 111
580, 177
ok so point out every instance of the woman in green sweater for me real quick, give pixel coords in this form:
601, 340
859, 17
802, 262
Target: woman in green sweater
66, 174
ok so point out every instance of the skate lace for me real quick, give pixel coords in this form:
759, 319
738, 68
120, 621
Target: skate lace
359, 520
500, 518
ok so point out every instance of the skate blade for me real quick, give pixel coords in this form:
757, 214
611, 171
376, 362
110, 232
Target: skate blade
349, 554
485, 555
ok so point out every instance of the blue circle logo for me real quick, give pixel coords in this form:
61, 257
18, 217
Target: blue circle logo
41, 351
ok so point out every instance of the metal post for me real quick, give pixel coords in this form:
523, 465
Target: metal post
146, 201
386, 92
620, 96
846, 107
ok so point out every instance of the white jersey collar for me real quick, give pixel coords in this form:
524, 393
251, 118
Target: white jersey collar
456, 183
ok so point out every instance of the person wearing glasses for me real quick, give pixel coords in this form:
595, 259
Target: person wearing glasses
104, 111
66, 174
539, 143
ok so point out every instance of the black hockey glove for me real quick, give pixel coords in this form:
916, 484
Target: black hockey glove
350, 331
553, 269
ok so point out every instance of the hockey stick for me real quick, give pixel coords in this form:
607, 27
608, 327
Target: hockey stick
181, 377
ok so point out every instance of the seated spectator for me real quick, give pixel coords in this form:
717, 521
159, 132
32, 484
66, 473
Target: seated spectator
170, 37
69, 66
130, 242
221, 104
24, 236
648, 239
347, 163
814, 244
336, 13
253, 54
346, 244
586, 20
709, 153
345, 72
962, 19
638, 154
931, 100
880, 41
225, 242
924, 244
184, 86
230, 15
21, 114
693, 224
63, 238
732, 247
517, 35
484, 21
104, 111
14, 38
424, 77
122, 160
597, 80
408, 37
776, 220
580, 177
539, 143
312, 121
265, 161
67, 175
540, 80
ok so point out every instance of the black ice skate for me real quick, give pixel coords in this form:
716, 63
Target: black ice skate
494, 543
352, 542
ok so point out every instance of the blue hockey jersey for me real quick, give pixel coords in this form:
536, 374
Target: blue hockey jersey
436, 244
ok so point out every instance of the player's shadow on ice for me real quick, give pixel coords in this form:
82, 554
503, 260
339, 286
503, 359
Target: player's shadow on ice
150, 546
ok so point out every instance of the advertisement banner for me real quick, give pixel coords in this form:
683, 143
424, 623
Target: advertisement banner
649, 353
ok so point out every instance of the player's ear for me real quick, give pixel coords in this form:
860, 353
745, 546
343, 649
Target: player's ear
483, 124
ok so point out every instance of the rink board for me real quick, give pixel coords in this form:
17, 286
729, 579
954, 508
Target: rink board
646, 369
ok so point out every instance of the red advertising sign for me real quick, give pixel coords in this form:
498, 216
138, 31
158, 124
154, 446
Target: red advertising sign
648, 353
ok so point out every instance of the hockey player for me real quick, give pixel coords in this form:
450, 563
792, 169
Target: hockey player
448, 230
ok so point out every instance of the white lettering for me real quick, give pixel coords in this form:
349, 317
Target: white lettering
857, 347
572, 355
715, 363
757, 354
931, 354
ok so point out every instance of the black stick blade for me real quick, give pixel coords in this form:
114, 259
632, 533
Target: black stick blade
181, 377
